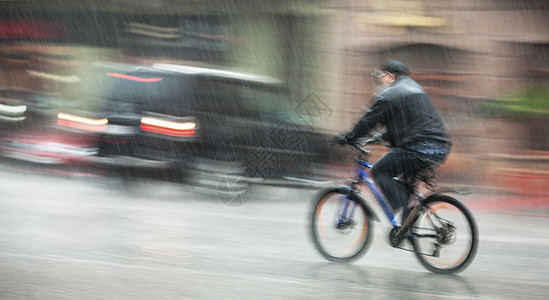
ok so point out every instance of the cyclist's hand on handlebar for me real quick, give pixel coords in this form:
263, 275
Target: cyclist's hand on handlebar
341, 139
344, 139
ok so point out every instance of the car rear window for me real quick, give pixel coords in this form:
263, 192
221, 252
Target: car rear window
162, 94
235, 97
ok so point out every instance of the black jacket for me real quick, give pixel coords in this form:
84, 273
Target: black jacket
407, 113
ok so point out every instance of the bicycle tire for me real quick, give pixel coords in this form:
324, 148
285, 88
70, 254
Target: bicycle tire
329, 239
439, 249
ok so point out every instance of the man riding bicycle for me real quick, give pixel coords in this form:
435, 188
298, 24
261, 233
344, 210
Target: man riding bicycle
414, 130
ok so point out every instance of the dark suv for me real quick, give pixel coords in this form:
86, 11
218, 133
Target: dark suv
194, 121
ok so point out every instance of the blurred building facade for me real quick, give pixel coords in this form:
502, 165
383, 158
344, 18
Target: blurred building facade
44, 44
461, 52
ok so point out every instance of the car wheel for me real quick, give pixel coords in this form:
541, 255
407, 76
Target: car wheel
225, 180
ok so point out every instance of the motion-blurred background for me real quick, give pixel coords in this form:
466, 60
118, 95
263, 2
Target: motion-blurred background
287, 76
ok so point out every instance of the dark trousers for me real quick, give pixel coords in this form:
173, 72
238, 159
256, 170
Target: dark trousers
398, 162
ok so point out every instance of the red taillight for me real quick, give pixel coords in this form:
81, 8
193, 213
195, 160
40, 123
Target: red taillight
82, 123
167, 131
180, 129
134, 78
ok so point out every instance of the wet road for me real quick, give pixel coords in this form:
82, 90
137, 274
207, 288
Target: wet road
66, 238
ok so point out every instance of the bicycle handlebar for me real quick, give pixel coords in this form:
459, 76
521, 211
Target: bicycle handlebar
356, 145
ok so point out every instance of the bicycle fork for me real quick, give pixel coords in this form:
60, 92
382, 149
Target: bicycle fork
346, 213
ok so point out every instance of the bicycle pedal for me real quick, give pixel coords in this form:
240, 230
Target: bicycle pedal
394, 238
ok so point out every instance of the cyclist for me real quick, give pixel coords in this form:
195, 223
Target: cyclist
413, 129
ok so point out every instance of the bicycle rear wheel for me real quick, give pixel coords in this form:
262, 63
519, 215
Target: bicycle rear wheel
341, 228
445, 236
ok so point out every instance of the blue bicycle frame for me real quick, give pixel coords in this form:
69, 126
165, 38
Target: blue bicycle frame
364, 176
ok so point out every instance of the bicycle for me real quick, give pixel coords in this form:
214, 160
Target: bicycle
444, 236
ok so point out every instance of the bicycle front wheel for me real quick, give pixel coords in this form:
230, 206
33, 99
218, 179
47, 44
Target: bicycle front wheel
341, 228
445, 236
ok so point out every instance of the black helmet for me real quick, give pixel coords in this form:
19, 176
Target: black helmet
396, 68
